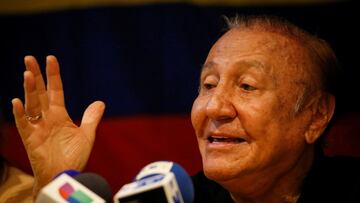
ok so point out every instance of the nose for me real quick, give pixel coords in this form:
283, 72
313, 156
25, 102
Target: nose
220, 107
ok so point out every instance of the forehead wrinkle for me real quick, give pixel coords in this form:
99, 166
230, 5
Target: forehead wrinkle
251, 64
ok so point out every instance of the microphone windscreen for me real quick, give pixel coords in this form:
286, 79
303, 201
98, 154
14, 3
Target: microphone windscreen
97, 184
184, 181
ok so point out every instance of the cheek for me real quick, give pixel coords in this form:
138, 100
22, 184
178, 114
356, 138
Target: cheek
198, 118
256, 116
198, 114
264, 121
274, 129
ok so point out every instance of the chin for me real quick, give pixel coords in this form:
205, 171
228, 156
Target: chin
219, 172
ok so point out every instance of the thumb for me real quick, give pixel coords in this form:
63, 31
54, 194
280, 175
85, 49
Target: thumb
92, 117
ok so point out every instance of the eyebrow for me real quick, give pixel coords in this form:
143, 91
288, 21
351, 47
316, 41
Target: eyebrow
247, 63
207, 66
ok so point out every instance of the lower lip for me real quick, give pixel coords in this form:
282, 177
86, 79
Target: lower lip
223, 145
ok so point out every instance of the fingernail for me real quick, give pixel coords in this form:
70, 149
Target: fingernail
27, 57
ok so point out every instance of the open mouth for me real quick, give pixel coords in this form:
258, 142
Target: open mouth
213, 139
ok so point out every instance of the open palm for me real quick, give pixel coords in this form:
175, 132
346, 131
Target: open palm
52, 141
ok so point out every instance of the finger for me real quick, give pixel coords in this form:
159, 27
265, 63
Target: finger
91, 118
33, 66
32, 102
55, 88
19, 115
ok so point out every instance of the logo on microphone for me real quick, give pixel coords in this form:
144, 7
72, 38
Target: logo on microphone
150, 180
73, 196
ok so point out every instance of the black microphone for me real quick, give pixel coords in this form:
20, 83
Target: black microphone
97, 184
72, 186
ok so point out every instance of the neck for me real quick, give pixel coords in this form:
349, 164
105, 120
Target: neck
283, 187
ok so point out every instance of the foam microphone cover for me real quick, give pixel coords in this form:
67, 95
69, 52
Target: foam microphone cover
95, 183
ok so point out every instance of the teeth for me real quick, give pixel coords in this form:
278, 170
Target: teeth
224, 139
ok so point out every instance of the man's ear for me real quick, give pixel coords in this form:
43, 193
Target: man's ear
322, 111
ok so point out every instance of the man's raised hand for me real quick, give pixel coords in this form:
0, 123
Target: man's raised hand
51, 139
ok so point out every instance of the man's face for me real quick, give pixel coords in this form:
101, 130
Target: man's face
244, 116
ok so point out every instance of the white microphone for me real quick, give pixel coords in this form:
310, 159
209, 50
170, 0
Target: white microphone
160, 182
66, 189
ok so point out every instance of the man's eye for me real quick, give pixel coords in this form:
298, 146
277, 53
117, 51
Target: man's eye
208, 86
247, 87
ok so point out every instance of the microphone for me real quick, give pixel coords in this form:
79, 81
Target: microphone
97, 184
82, 188
160, 182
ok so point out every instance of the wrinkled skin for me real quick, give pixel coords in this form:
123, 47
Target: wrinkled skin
53, 143
251, 138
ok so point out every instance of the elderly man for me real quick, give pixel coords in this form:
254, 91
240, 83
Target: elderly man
266, 97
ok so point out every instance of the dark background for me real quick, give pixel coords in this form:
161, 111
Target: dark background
146, 59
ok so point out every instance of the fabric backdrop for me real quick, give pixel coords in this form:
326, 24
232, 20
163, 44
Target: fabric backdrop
143, 60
